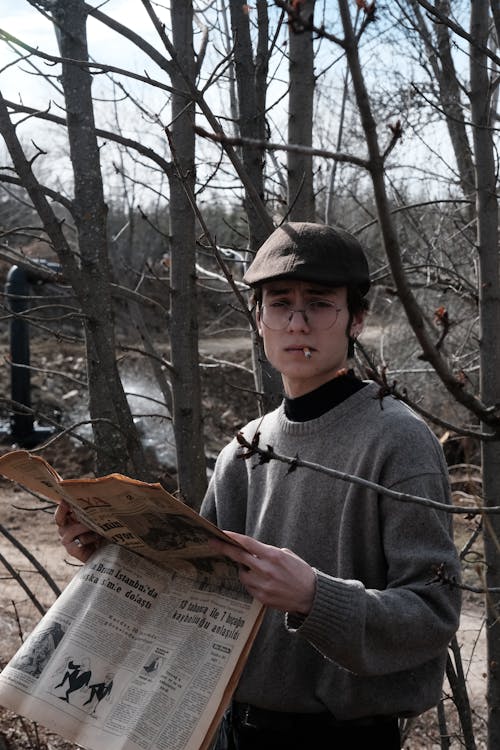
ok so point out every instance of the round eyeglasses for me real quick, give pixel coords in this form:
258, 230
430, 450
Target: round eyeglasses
319, 314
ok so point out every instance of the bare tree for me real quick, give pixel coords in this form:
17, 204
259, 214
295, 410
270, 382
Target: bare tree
301, 201
474, 105
251, 83
184, 321
437, 45
91, 218
489, 344
118, 445
483, 407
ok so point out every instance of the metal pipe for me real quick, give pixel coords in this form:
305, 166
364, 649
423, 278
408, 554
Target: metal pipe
17, 292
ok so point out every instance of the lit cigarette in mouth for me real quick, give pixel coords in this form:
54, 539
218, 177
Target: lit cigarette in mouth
307, 352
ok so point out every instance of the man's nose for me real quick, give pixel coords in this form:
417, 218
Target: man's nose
298, 322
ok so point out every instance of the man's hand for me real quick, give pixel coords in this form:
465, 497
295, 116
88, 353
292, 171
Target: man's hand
79, 540
276, 577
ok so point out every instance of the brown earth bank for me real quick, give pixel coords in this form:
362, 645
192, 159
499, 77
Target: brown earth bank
228, 402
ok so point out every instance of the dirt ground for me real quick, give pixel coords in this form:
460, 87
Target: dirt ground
228, 404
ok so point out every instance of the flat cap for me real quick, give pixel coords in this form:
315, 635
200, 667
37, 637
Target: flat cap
310, 252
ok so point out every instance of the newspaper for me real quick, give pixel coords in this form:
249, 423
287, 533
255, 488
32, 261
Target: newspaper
144, 647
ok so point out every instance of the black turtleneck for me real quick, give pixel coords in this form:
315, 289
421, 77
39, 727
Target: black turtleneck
312, 405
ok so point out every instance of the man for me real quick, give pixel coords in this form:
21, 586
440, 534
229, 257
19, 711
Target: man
356, 631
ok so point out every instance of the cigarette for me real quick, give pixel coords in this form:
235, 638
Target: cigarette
307, 352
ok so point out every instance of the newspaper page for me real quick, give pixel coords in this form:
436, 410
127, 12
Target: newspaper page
136, 652
140, 516
135, 656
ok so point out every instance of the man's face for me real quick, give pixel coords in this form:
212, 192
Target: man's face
285, 348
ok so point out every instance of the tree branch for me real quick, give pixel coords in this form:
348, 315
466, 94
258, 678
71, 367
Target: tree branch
37, 195
54, 194
413, 311
269, 454
459, 30
91, 65
107, 134
268, 146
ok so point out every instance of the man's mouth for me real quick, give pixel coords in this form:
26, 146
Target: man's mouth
306, 350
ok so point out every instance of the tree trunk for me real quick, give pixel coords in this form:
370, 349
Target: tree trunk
118, 445
441, 61
450, 99
301, 204
186, 388
489, 345
251, 79
251, 85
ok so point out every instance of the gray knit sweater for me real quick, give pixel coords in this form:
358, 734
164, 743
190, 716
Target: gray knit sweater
375, 639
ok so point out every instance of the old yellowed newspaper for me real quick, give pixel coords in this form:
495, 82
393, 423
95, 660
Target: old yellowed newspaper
143, 517
144, 647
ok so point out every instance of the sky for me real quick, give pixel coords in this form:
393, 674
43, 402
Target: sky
24, 22
19, 18
18, 84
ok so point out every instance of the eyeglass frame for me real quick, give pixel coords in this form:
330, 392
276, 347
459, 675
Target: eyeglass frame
292, 312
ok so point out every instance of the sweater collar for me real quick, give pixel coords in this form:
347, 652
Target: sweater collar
316, 403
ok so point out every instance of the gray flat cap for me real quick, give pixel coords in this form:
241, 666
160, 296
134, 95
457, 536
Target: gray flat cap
310, 252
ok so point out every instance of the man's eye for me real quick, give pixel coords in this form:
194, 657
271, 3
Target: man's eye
320, 304
277, 305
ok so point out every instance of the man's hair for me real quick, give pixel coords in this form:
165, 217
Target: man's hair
356, 303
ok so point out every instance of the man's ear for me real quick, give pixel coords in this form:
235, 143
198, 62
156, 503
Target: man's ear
258, 321
357, 324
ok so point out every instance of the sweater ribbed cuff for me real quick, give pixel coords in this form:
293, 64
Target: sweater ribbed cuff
337, 612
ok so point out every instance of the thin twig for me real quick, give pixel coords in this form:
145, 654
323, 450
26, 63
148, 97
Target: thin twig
32, 559
268, 454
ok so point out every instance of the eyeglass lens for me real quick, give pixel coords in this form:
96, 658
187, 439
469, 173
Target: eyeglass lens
319, 315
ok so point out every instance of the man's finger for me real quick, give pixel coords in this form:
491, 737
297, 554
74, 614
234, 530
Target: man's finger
62, 512
251, 545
